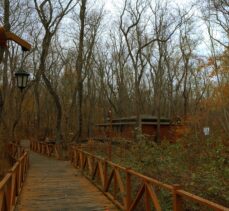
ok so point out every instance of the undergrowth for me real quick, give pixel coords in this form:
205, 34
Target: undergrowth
200, 167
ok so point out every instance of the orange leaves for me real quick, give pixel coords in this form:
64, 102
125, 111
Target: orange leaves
220, 97
181, 131
211, 61
218, 100
223, 90
213, 73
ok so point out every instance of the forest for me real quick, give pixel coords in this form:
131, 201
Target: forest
156, 57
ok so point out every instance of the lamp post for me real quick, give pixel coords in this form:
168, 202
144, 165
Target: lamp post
21, 75
110, 134
22, 79
110, 119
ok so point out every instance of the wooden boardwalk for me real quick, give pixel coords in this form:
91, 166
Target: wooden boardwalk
53, 185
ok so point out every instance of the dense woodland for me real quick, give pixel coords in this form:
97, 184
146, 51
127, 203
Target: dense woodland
152, 57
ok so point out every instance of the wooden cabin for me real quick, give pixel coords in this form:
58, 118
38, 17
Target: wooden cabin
126, 128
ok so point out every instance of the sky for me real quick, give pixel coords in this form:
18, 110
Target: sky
111, 5
113, 8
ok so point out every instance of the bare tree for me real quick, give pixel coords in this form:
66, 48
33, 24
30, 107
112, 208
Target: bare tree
217, 13
187, 46
51, 19
165, 24
79, 68
136, 42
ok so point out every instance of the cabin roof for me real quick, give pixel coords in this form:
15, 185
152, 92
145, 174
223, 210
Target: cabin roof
142, 117
145, 120
131, 123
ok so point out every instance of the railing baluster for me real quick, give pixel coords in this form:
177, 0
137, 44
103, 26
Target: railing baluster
147, 200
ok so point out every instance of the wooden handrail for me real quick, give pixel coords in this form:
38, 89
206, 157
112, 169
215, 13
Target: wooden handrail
83, 160
115, 182
11, 184
200, 200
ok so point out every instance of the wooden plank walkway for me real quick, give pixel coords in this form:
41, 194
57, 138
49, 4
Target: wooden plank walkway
53, 185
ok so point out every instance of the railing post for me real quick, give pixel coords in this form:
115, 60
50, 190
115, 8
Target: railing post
105, 174
128, 189
42, 149
9, 193
81, 160
177, 200
19, 177
109, 151
26, 164
56, 151
23, 169
74, 157
115, 184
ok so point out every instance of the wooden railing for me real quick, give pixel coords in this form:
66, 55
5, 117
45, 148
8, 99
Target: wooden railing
48, 149
119, 183
14, 151
11, 184
122, 192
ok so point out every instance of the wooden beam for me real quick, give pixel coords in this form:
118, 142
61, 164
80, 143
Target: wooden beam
25, 45
4, 36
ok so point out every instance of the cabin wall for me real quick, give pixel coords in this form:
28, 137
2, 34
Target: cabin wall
127, 131
165, 131
123, 131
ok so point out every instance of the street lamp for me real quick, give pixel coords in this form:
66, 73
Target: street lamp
110, 119
22, 79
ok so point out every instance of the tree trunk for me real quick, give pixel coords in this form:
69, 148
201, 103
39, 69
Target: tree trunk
37, 106
80, 69
138, 113
7, 28
56, 99
185, 91
158, 113
1, 54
